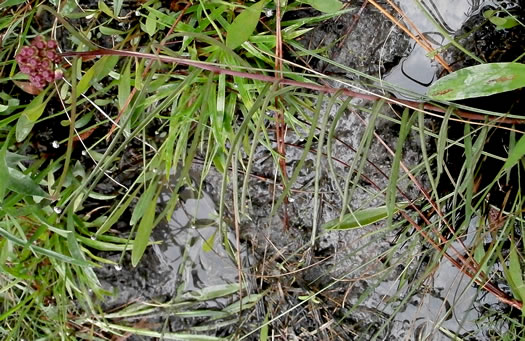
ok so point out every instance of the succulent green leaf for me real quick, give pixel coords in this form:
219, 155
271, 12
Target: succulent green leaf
478, 81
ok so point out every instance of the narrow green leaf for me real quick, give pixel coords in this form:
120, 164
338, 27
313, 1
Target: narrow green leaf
104, 325
95, 73
102, 245
219, 160
479, 80
404, 130
85, 82
124, 87
359, 218
243, 25
12, 158
117, 213
110, 31
143, 203
516, 273
246, 303
504, 23
263, 335
516, 153
442, 141
23, 184
4, 171
42, 250
99, 196
72, 243
143, 233
10, 3
211, 292
500, 22
34, 109
104, 8
325, 6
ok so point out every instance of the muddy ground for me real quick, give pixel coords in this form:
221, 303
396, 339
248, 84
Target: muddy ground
349, 267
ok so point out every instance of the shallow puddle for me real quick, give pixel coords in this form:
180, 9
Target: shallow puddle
417, 71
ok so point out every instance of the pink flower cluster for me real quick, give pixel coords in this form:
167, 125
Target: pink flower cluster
37, 61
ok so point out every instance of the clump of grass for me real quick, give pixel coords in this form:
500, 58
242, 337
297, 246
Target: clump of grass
215, 89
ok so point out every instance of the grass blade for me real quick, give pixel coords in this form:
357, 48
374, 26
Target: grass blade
358, 218
144, 232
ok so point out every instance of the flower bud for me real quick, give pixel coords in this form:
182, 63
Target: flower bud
37, 60
58, 74
52, 44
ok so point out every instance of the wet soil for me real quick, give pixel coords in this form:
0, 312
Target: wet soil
344, 265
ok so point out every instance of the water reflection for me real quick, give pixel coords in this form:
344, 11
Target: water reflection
192, 247
417, 70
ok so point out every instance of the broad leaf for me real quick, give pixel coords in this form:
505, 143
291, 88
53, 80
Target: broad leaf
151, 24
479, 80
23, 127
31, 113
359, 218
243, 25
326, 6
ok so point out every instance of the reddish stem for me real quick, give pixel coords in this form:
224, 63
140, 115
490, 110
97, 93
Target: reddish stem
284, 81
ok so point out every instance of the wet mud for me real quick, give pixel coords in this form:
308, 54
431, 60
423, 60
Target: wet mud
352, 272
